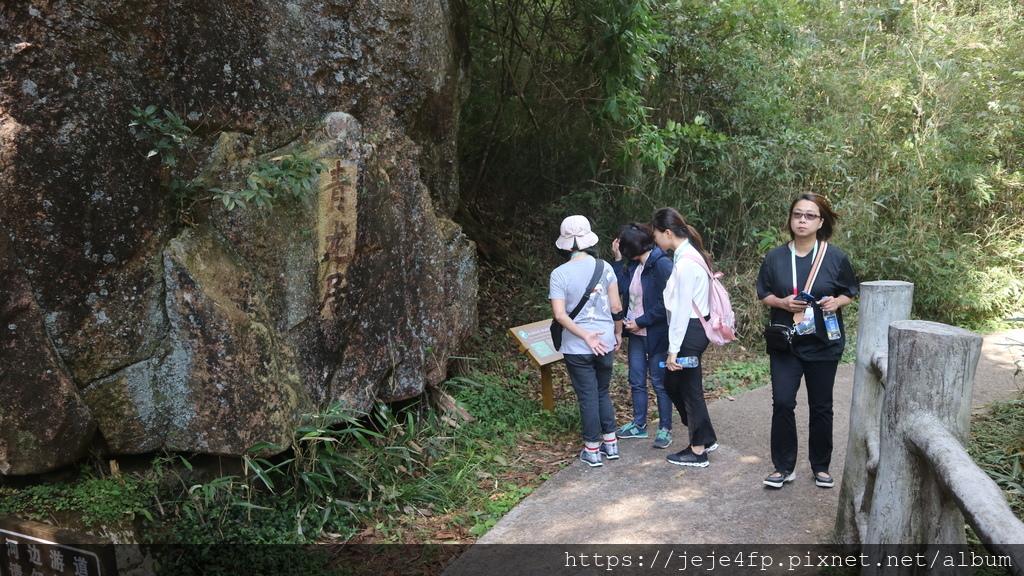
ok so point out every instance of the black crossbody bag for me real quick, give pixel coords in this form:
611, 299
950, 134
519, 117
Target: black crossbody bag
556, 328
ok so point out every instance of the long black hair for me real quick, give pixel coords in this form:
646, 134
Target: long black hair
670, 219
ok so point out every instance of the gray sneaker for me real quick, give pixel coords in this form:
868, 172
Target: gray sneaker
591, 458
664, 439
609, 451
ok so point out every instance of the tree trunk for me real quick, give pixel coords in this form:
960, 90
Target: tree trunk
931, 379
881, 303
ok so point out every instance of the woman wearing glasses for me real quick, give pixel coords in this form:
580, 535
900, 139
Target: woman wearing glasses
806, 283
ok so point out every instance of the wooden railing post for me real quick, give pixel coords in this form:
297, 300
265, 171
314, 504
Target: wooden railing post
930, 380
881, 303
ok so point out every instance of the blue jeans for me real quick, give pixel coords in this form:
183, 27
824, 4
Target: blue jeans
640, 365
591, 376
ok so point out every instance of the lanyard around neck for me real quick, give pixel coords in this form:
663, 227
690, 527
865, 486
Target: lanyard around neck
792, 256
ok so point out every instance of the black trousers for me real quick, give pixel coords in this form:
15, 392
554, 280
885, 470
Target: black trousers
686, 388
820, 378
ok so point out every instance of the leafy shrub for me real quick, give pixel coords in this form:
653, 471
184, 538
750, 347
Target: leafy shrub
92, 499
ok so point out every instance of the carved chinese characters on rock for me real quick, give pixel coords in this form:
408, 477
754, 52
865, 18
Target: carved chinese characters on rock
336, 229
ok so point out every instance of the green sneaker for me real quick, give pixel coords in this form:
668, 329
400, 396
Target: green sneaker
631, 430
663, 439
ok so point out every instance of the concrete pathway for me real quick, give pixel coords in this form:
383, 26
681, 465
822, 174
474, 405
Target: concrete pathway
640, 499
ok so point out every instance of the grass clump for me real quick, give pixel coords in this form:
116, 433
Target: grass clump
997, 445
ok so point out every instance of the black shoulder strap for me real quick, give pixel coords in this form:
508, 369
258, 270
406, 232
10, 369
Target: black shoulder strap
598, 268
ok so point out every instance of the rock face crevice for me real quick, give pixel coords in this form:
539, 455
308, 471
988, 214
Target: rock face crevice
124, 330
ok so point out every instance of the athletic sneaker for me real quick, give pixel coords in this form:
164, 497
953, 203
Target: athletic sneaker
609, 451
778, 478
687, 458
591, 458
664, 439
631, 430
711, 448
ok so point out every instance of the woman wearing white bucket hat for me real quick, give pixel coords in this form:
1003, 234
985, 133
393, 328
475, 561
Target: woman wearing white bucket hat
591, 335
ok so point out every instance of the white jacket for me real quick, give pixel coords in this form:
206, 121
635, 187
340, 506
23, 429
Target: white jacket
687, 284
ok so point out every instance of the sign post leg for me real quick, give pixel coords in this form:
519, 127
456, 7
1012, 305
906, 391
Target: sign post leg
547, 391
535, 340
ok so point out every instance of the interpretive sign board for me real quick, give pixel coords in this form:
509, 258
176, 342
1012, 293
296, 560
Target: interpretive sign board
535, 340
35, 549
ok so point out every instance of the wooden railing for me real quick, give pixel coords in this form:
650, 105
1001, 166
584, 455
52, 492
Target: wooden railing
908, 480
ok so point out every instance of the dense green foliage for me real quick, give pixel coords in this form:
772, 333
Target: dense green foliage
905, 114
93, 500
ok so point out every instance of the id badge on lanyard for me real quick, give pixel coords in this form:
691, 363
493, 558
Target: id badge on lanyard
803, 322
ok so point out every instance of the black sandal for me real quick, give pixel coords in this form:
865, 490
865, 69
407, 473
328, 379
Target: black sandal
778, 478
824, 480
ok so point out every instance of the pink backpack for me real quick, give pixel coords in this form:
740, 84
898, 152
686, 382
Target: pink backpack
721, 328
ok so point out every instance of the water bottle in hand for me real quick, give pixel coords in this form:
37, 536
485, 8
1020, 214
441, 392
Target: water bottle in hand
832, 325
689, 361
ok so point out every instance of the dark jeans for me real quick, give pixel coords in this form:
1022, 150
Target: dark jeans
820, 378
686, 388
591, 375
640, 365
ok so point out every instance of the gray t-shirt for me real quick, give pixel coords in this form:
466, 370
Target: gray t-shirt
568, 282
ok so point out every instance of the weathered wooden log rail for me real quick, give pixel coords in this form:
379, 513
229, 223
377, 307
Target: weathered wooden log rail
908, 481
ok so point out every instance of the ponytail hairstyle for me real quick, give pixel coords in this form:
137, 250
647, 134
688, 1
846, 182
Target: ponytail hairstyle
635, 239
670, 219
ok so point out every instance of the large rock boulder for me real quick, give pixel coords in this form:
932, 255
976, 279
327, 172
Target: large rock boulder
127, 328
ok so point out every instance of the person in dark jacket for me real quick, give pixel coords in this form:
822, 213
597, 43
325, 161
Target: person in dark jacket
642, 270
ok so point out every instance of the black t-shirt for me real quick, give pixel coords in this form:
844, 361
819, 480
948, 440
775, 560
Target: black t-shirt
835, 278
